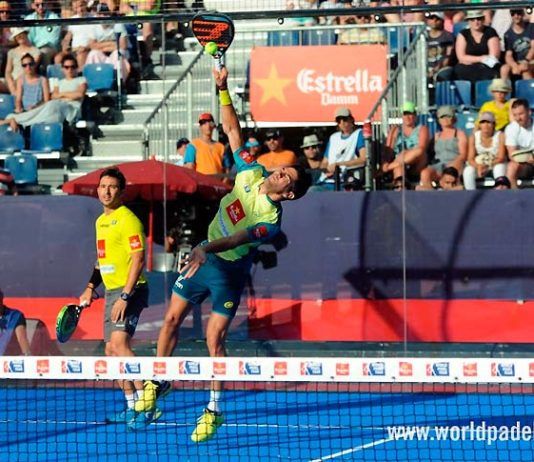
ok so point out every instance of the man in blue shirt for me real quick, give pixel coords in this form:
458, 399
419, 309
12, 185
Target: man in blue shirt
12, 321
47, 39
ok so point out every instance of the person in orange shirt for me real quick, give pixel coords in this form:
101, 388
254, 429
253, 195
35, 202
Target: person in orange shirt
204, 154
277, 155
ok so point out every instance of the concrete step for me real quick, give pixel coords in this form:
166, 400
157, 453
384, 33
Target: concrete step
53, 177
102, 148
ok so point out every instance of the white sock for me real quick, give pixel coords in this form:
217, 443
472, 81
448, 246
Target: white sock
215, 398
130, 400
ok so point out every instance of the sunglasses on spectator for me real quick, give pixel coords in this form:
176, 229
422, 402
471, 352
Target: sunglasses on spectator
481, 18
202, 122
28, 64
39, 5
315, 146
433, 16
342, 119
270, 138
408, 113
4, 11
485, 122
69, 66
517, 12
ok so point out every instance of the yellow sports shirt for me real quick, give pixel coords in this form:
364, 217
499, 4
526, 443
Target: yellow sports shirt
118, 235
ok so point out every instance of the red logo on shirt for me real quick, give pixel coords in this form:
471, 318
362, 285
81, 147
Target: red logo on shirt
246, 156
101, 248
235, 211
135, 242
260, 231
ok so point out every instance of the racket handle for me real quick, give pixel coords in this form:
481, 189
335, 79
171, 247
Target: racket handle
218, 63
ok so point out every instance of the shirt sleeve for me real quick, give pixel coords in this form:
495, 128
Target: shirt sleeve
360, 143
190, 154
262, 232
134, 239
510, 136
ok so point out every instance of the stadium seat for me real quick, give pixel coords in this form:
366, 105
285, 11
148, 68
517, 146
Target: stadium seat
7, 105
23, 167
46, 138
100, 77
525, 89
430, 121
454, 93
466, 121
398, 38
458, 27
10, 141
482, 92
54, 71
283, 39
319, 37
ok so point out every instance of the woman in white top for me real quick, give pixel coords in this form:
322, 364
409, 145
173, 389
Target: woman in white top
486, 152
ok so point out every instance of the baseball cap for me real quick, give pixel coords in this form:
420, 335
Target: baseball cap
408, 106
487, 116
181, 142
273, 133
446, 111
252, 144
437, 14
343, 112
206, 116
502, 181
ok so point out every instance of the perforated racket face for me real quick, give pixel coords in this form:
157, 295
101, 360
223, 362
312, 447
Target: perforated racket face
213, 27
66, 322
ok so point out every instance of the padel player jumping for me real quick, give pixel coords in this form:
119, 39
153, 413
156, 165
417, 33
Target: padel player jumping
248, 216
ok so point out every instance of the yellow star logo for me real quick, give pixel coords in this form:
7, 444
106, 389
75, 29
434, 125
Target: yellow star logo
273, 87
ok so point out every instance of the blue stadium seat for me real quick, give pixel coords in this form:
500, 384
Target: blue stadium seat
398, 38
458, 27
7, 105
466, 121
54, 71
454, 93
482, 92
283, 38
319, 37
10, 141
45, 137
430, 121
525, 89
100, 77
23, 167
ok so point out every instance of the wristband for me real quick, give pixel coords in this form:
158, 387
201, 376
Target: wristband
96, 279
224, 98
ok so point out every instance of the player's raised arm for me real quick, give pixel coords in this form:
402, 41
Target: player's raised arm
229, 118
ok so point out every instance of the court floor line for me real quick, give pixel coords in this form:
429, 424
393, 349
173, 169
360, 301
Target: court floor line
353, 450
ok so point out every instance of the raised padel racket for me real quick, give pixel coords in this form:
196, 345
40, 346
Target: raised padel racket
67, 321
211, 26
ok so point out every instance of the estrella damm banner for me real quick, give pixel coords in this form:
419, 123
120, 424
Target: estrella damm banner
308, 83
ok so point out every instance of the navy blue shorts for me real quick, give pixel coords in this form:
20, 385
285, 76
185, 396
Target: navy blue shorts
223, 280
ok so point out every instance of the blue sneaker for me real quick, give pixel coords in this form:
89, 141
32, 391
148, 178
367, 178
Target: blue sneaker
125, 416
144, 419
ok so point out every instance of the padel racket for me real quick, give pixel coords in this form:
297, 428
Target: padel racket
67, 320
210, 26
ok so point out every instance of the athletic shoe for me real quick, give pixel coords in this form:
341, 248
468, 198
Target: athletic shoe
144, 419
207, 425
152, 391
125, 416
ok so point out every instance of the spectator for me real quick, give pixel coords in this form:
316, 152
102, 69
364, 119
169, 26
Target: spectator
103, 44
204, 154
361, 35
439, 48
12, 321
5, 41
66, 99
486, 153
7, 183
406, 146
450, 147
502, 182
313, 159
519, 48
14, 56
181, 146
499, 107
78, 36
345, 149
519, 136
450, 180
32, 89
253, 146
47, 39
277, 156
401, 183
478, 50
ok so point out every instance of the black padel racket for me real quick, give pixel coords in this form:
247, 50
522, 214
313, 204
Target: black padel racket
67, 320
215, 30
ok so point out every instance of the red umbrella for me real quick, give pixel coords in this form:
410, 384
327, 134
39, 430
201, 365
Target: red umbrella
152, 180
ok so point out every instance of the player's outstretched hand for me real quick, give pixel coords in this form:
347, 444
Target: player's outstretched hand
221, 77
193, 263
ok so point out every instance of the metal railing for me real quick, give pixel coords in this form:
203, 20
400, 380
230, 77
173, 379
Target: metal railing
176, 115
